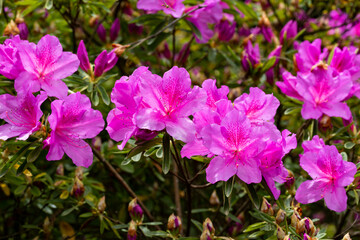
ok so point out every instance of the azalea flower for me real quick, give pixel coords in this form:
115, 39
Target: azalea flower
330, 174
22, 114
236, 146
309, 54
289, 31
168, 103
173, 7
45, 65
72, 119
270, 73
103, 63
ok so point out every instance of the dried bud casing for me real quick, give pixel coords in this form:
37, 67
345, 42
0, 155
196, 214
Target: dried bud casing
280, 216
101, 204
79, 173
11, 29
174, 225
347, 237
94, 20
206, 235
119, 49
60, 169
207, 224
132, 231
214, 199
296, 217
287, 237
306, 226
266, 207
78, 188
135, 211
280, 233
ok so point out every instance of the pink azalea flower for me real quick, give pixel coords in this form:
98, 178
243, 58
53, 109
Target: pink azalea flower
72, 119
125, 95
313, 145
290, 29
10, 64
173, 7
225, 29
83, 57
337, 18
271, 165
288, 86
250, 56
168, 103
330, 174
236, 147
22, 114
45, 65
260, 109
309, 54
323, 93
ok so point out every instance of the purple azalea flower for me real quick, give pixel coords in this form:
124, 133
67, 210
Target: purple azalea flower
101, 31
173, 7
323, 93
24, 32
236, 146
265, 28
330, 174
72, 119
10, 63
22, 114
337, 18
225, 29
83, 57
250, 56
114, 30
168, 102
289, 30
104, 62
45, 65
211, 13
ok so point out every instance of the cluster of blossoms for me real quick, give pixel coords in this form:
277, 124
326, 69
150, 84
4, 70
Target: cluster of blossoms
241, 135
323, 88
41, 66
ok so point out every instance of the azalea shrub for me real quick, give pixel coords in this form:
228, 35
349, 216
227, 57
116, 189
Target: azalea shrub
179, 119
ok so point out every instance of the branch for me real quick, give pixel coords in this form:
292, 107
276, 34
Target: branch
141, 41
122, 181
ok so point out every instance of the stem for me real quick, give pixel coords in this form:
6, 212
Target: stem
173, 47
189, 207
177, 194
123, 182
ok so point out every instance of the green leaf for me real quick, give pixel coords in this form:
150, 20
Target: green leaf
68, 211
344, 156
292, 110
9, 164
246, 9
349, 145
197, 224
103, 94
1, 5
20, 189
166, 163
256, 235
356, 197
229, 186
95, 98
252, 194
35, 191
331, 55
148, 233
268, 64
48, 4
34, 154
113, 229
255, 226
86, 215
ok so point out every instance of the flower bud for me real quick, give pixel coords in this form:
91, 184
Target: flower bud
23, 31
280, 233
78, 188
306, 226
207, 224
102, 204
287, 237
206, 235
60, 169
296, 216
174, 225
135, 211
114, 30
347, 237
11, 29
47, 225
280, 216
214, 199
266, 207
94, 20
325, 124
101, 31
290, 180
79, 173
96, 142
132, 231
119, 49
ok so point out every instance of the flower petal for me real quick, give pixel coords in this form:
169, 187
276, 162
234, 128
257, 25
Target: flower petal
336, 199
220, 170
